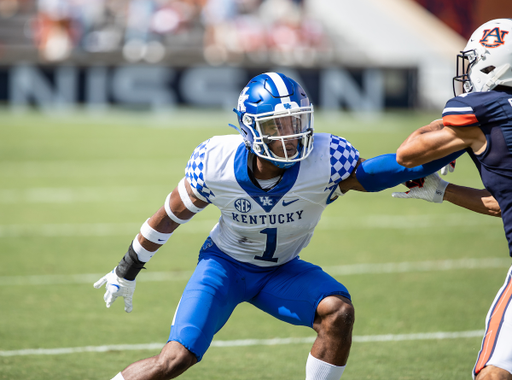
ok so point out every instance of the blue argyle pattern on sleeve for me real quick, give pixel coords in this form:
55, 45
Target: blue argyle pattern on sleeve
195, 172
344, 158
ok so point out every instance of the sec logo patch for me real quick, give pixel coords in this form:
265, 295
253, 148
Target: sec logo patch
243, 205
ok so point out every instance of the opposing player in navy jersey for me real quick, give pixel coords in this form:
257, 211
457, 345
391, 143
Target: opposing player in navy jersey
271, 183
479, 121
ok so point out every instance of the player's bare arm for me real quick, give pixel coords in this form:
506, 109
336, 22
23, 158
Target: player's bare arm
428, 144
434, 189
477, 200
180, 206
161, 222
435, 125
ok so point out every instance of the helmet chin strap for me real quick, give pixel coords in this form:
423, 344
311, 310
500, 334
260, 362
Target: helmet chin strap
284, 165
495, 80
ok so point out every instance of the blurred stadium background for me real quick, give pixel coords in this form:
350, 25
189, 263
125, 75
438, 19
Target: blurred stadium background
101, 104
365, 55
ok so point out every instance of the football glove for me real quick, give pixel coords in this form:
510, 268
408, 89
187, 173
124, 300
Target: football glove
431, 188
448, 168
117, 287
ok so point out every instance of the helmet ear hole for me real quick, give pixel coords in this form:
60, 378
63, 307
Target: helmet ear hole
247, 120
488, 69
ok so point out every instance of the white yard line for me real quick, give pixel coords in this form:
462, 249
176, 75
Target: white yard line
246, 342
340, 270
404, 222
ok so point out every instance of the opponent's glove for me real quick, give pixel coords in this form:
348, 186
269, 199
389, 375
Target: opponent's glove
448, 168
431, 188
117, 287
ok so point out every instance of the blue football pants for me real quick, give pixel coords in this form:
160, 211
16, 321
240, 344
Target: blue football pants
290, 292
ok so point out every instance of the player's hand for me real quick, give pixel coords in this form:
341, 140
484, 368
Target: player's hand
448, 168
117, 287
430, 188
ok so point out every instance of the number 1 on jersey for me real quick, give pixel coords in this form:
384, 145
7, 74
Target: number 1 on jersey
270, 247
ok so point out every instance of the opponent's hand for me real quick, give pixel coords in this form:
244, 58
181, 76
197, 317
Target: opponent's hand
448, 168
117, 287
431, 188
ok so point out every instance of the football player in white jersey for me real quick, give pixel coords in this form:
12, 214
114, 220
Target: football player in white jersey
271, 183
479, 121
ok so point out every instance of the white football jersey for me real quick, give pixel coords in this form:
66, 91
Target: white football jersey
267, 228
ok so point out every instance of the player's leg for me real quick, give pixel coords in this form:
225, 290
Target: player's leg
495, 357
333, 324
303, 294
207, 302
173, 360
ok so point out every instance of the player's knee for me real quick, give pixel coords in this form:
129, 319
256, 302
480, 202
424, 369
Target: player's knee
336, 314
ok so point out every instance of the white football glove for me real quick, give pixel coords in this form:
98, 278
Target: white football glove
117, 287
448, 168
431, 188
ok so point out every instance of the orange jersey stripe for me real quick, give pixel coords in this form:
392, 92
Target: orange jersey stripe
460, 120
493, 327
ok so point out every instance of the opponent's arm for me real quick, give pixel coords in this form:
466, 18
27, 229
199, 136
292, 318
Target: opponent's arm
180, 206
434, 189
435, 125
476, 200
431, 143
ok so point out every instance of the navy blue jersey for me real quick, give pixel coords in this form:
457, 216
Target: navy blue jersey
492, 112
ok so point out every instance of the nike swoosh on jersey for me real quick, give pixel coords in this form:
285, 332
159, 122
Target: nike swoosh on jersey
289, 203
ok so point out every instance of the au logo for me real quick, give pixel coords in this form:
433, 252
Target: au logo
493, 37
243, 205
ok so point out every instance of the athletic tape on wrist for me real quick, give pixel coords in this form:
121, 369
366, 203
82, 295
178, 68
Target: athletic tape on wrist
130, 265
185, 198
170, 214
142, 253
153, 235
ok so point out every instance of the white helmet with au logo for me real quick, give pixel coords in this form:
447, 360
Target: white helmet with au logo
486, 61
276, 119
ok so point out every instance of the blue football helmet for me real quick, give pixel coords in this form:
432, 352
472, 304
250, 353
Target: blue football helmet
276, 119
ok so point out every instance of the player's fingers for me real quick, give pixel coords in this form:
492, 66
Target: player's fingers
445, 169
98, 284
109, 298
128, 307
401, 195
111, 294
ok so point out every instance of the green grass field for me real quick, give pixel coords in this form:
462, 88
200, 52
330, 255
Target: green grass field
75, 188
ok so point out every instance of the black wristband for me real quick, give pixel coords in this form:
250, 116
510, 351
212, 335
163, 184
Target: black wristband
129, 266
